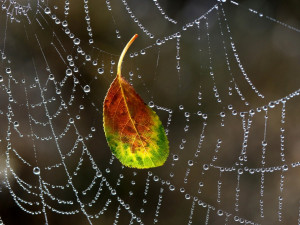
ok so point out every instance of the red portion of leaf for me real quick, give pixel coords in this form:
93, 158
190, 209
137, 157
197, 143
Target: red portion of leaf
125, 112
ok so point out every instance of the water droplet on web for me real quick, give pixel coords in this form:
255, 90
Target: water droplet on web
51, 77
100, 70
8, 70
175, 157
99, 174
86, 89
285, 167
181, 107
172, 187
251, 171
88, 58
64, 23
95, 63
151, 104
47, 10
222, 114
36, 170
69, 72
220, 212
205, 166
265, 108
76, 41
190, 163
1, 78
240, 171
272, 105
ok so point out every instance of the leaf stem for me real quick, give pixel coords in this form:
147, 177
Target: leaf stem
123, 54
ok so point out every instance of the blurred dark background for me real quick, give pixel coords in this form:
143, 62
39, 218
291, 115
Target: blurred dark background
37, 46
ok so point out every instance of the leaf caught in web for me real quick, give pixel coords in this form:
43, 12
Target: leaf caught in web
133, 130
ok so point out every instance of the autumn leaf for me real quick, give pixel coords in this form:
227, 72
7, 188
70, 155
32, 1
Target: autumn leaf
133, 130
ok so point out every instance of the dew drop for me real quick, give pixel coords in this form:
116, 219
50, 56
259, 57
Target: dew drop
285, 168
47, 10
187, 196
86, 89
190, 163
272, 105
205, 166
51, 77
151, 104
36, 170
99, 174
100, 70
172, 187
76, 41
8, 70
222, 114
64, 23
175, 157
220, 212
69, 72
240, 171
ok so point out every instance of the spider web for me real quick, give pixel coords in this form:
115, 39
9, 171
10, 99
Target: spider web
233, 133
